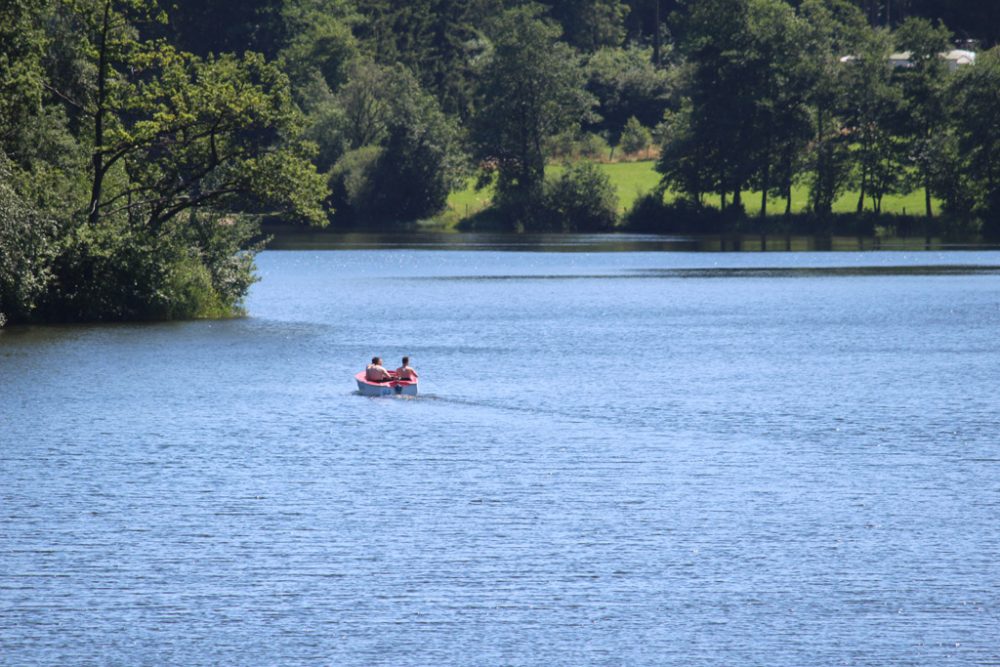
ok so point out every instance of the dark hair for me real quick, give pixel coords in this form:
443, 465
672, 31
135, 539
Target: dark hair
406, 360
375, 360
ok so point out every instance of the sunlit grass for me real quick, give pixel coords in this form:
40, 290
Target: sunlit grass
632, 179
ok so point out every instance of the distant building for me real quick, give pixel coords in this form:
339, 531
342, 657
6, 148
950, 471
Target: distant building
954, 59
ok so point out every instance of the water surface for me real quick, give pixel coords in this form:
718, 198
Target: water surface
638, 458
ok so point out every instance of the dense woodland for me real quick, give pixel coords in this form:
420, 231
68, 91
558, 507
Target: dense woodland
143, 142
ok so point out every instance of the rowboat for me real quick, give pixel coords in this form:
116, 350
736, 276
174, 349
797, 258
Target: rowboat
393, 388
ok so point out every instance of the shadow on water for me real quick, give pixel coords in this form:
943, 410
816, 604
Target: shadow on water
755, 272
616, 242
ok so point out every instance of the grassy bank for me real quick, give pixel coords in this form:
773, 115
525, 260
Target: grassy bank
632, 179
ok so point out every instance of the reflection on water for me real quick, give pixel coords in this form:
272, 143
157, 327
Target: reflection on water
291, 239
684, 459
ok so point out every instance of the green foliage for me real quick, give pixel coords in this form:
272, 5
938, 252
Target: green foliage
531, 88
136, 154
173, 140
574, 144
21, 70
353, 182
591, 24
419, 158
626, 83
923, 85
872, 112
194, 268
437, 40
977, 127
192, 133
320, 40
581, 199
635, 137
27, 246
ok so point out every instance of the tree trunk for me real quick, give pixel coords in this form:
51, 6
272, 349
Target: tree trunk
764, 188
788, 188
927, 200
98, 157
819, 196
861, 196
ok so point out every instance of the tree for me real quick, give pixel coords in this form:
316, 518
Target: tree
685, 163
872, 115
195, 133
531, 88
923, 85
177, 146
405, 153
833, 28
590, 24
977, 124
779, 80
319, 43
438, 40
204, 27
626, 83
719, 103
22, 74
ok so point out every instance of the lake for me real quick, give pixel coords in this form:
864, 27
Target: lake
647, 457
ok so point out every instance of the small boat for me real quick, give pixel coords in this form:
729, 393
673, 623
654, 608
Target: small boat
392, 388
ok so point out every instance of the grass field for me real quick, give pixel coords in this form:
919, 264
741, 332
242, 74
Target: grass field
631, 179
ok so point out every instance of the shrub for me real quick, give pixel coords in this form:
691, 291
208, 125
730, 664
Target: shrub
352, 183
572, 145
650, 213
594, 147
118, 272
581, 199
635, 137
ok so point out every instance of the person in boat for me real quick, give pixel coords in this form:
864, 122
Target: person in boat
375, 372
406, 372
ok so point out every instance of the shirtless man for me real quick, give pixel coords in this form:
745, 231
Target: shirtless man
375, 372
404, 372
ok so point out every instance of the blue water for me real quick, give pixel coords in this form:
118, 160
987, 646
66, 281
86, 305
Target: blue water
641, 458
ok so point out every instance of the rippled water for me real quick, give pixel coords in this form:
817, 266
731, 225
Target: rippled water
642, 458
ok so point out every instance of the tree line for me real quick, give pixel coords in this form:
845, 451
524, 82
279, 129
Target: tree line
142, 142
774, 95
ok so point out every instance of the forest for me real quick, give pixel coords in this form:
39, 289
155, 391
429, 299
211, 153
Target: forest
144, 143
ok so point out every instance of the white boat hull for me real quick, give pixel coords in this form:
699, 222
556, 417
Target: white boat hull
394, 388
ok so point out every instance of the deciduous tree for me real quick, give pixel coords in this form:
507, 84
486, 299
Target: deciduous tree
531, 88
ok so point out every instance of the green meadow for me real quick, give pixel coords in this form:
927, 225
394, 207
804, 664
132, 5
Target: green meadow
632, 179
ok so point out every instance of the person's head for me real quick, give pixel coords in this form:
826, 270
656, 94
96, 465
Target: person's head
406, 361
377, 361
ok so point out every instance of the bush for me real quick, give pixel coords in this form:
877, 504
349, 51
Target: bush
573, 145
352, 184
650, 213
407, 160
117, 272
635, 137
581, 199
594, 147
